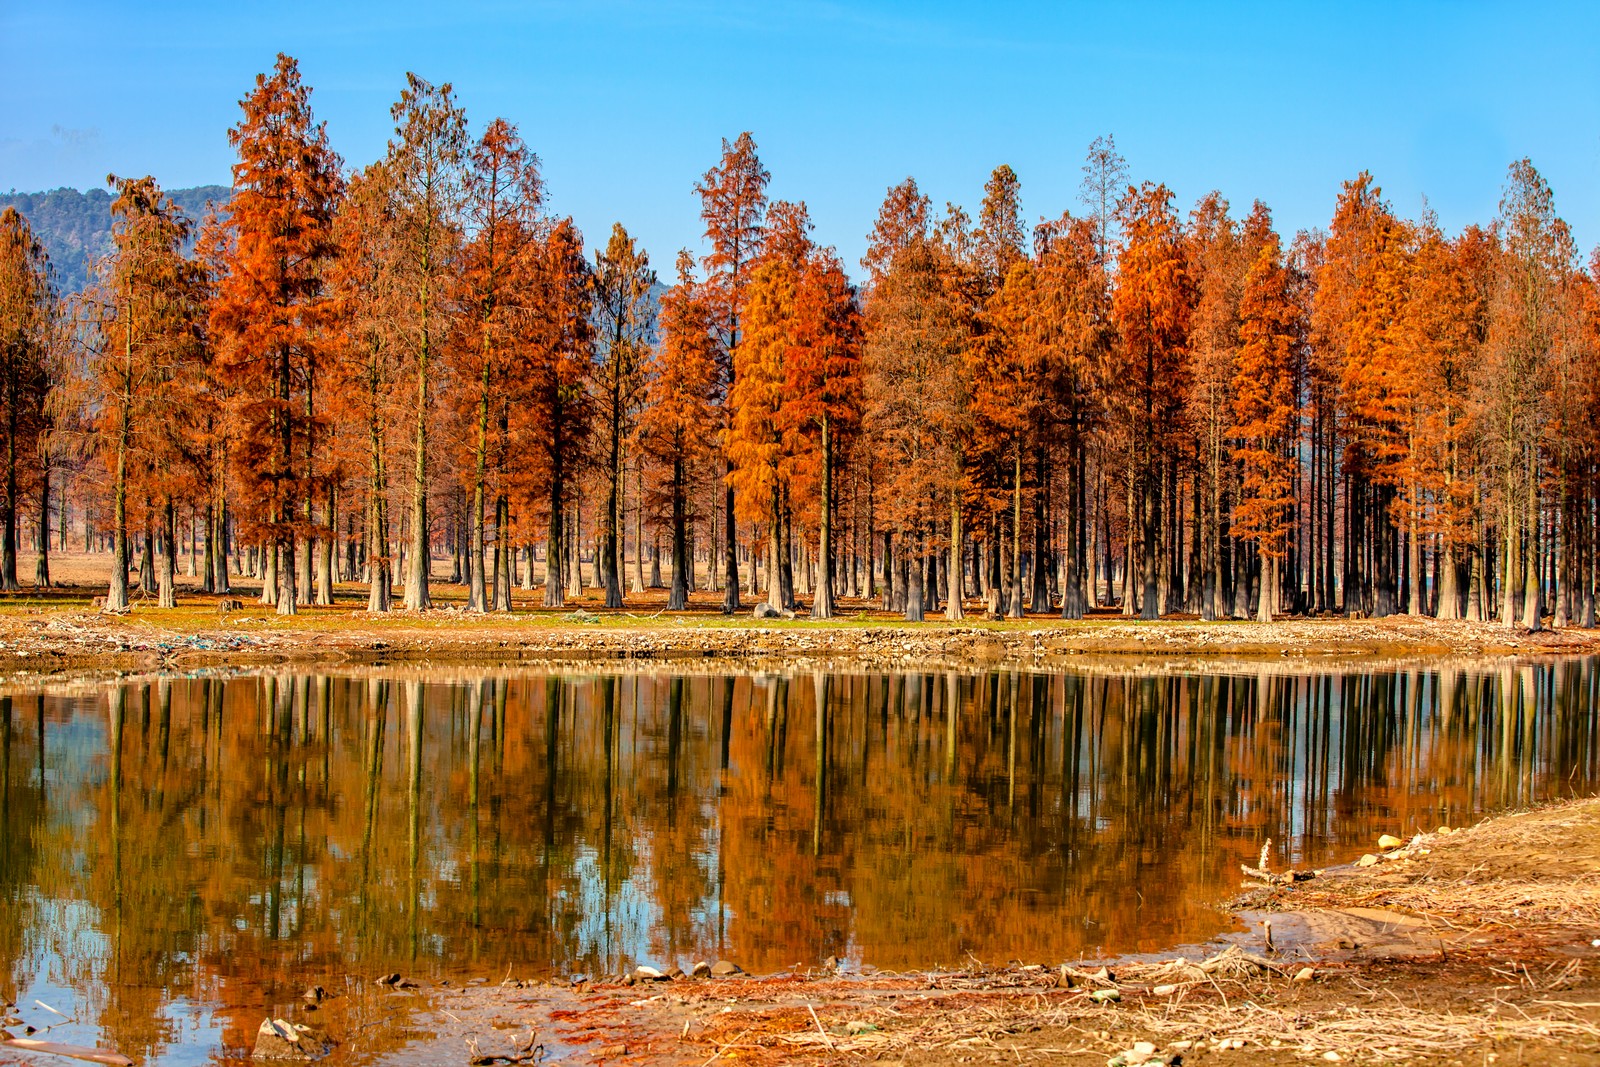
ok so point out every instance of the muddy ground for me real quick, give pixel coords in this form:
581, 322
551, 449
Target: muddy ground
1477, 946
62, 633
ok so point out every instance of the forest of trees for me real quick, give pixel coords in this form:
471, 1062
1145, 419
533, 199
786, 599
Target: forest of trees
353, 372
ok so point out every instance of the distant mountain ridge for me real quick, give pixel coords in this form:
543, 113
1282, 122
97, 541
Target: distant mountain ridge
75, 227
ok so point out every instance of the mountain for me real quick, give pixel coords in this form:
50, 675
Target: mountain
75, 227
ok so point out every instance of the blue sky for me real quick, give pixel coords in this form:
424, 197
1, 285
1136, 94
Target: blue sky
626, 102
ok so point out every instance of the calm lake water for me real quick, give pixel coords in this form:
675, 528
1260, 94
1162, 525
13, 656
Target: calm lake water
179, 855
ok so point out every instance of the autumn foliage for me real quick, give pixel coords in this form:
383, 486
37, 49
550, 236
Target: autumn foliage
368, 376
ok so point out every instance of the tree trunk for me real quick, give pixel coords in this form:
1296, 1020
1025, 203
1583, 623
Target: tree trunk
379, 569
421, 552
285, 552
168, 582
913, 583
117, 592
953, 606
822, 602
678, 597
1014, 607
1449, 607
41, 570
147, 559
555, 576
638, 528
1268, 599
325, 564
8, 520
1532, 607
730, 594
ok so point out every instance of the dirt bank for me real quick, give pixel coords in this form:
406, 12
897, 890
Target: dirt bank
57, 636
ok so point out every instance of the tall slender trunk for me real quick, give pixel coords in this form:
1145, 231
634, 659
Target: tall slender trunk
117, 592
168, 578
504, 554
1014, 602
953, 607
8, 520
730, 555
822, 601
477, 587
678, 597
1267, 601
610, 547
380, 570
774, 576
421, 551
913, 580
638, 527
555, 575
325, 563
41, 571
1532, 601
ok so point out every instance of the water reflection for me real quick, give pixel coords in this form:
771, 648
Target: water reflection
176, 854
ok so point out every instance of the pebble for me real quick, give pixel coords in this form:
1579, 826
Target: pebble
1103, 996
1305, 974
1388, 841
1164, 990
648, 974
1331, 1056
723, 969
1369, 860
701, 969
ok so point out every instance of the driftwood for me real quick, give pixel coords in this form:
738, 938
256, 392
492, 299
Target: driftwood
77, 1052
1287, 878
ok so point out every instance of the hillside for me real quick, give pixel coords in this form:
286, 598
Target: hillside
76, 227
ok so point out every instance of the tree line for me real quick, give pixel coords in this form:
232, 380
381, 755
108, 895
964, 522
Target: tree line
358, 370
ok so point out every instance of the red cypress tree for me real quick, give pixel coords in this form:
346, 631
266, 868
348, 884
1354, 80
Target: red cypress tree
503, 194
679, 417
1267, 413
733, 204
1152, 304
822, 381
271, 313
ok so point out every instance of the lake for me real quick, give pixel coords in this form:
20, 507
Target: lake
178, 855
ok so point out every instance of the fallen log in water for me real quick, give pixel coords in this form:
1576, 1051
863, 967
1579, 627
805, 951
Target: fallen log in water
77, 1052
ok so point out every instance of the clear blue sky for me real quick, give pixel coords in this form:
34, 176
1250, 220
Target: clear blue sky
626, 102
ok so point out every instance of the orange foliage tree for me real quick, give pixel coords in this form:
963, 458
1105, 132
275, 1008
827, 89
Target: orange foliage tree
271, 310
503, 194
680, 416
1152, 305
733, 205
29, 311
1266, 410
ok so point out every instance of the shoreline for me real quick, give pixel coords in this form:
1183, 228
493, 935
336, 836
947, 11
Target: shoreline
1429, 955
44, 639
1455, 948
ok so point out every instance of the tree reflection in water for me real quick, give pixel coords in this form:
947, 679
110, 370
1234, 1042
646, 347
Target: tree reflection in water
221, 841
